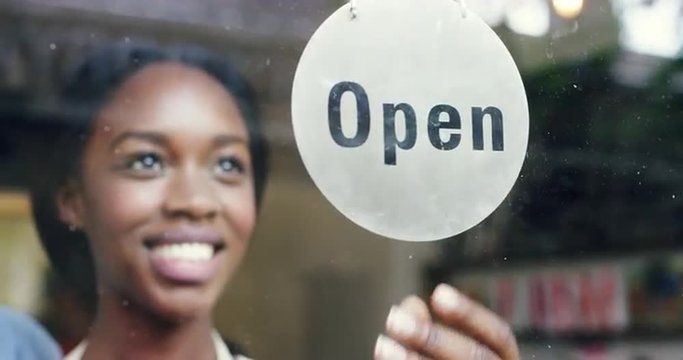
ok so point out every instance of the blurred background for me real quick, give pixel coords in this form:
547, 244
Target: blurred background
584, 258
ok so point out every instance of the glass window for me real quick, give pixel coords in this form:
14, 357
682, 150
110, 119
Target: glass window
583, 258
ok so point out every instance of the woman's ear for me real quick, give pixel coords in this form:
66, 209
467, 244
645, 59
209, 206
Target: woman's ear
70, 205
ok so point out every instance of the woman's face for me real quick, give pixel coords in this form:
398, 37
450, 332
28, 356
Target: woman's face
166, 192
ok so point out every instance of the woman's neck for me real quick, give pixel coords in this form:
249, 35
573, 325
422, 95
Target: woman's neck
124, 331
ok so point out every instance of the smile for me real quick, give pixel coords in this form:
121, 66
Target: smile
185, 255
185, 251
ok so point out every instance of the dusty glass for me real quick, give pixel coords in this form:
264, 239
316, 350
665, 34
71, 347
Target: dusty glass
583, 258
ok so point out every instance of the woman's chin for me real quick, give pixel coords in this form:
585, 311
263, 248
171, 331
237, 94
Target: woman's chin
182, 306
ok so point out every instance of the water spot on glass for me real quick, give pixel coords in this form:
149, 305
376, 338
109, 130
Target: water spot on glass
125, 303
410, 257
268, 62
549, 346
53, 46
107, 129
673, 196
126, 39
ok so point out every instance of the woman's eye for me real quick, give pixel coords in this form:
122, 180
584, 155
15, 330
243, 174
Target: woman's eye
228, 166
145, 162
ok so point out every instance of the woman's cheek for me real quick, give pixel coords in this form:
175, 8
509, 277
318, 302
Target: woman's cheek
125, 204
241, 211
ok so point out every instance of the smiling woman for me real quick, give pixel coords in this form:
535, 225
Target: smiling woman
156, 173
149, 196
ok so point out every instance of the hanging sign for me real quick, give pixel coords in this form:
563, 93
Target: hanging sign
410, 116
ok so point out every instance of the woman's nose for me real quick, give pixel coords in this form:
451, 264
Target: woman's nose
190, 195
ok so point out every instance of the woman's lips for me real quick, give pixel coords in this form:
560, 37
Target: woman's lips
185, 255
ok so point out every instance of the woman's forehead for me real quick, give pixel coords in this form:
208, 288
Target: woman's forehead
169, 73
170, 94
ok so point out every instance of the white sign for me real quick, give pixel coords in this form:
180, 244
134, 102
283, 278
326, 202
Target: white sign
410, 117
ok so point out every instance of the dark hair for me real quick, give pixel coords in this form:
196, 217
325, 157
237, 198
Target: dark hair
84, 94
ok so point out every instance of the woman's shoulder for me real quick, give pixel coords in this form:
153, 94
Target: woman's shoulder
235, 349
227, 350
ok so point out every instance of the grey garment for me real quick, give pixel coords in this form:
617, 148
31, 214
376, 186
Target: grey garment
22, 338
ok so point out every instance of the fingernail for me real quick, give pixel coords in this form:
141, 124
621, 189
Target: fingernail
401, 323
447, 298
386, 348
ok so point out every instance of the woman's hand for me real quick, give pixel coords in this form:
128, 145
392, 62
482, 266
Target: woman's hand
456, 328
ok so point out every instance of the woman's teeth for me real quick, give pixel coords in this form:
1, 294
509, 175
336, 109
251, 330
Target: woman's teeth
185, 251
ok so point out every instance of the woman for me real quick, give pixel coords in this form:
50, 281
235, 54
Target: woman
155, 183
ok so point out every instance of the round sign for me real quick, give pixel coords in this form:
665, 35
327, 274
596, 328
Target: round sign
411, 119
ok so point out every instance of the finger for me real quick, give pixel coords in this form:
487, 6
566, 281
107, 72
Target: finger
472, 319
388, 349
417, 307
434, 340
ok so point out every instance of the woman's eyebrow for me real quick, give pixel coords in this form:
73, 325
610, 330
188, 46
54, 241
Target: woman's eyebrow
152, 137
225, 140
